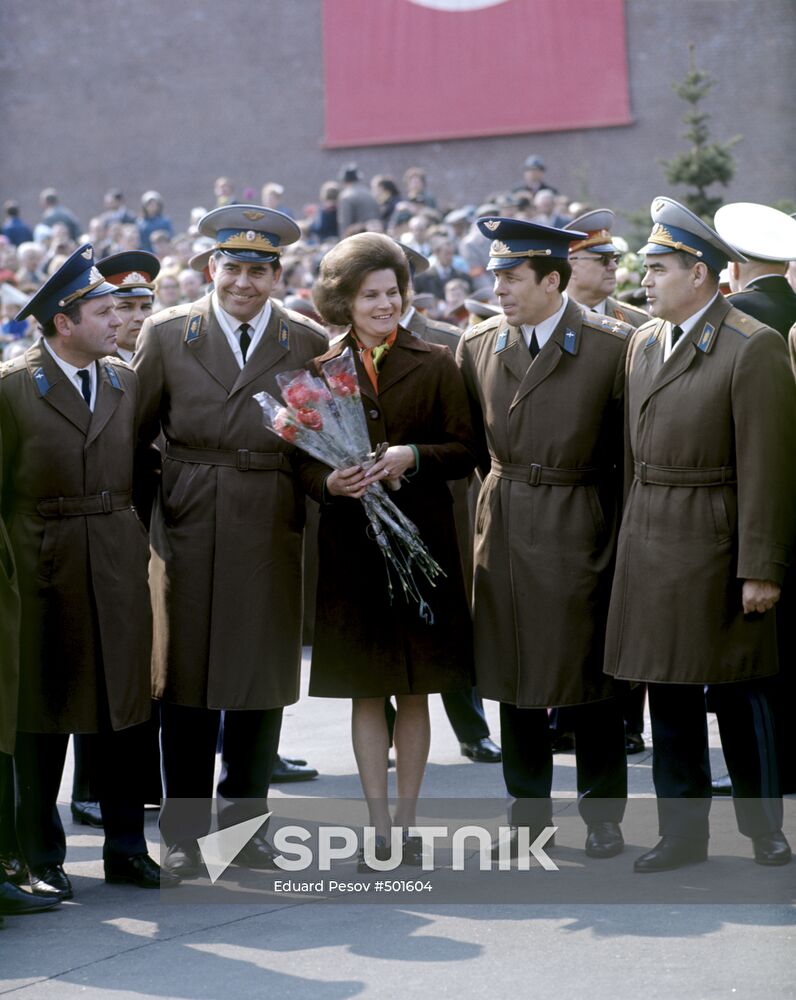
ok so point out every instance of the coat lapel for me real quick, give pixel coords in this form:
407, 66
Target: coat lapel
565, 340
54, 388
273, 348
205, 340
698, 340
109, 395
405, 355
511, 349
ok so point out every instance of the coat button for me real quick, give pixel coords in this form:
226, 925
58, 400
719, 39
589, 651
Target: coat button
373, 414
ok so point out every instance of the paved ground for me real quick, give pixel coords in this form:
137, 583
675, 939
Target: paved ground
122, 942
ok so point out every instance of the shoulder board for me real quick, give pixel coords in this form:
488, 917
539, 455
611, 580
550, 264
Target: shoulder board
743, 324
172, 312
14, 365
607, 324
306, 321
481, 328
117, 362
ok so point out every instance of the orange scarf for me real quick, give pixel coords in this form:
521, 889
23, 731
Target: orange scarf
373, 357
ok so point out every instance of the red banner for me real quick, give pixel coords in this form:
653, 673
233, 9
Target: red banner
418, 70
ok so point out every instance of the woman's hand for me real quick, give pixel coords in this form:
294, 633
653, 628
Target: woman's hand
396, 461
350, 482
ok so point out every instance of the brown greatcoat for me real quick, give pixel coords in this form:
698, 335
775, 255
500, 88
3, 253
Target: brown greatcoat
723, 407
364, 646
544, 553
463, 491
226, 544
9, 637
616, 309
86, 620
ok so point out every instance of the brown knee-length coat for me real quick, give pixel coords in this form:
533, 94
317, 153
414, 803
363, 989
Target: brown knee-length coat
544, 549
9, 637
364, 646
713, 505
86, 622
226, 542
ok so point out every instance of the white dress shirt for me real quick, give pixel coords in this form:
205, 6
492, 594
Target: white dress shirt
71, 373
544, 330
686, 326
231, 328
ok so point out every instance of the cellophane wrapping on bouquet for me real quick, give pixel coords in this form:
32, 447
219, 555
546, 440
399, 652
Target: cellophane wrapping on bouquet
324, 418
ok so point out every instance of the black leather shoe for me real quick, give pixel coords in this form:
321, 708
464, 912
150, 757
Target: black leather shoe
634, 743
86, 813
514, 843
772, 849
15, 901
13, 868
140, 870
259, 854
670, 853
288, 770
182, 860
50, 880
482, 751
722, 785
563, 743
412, 853
604, 840
381, 852
300, 762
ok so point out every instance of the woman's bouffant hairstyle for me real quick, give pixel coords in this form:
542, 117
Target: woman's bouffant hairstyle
344, 268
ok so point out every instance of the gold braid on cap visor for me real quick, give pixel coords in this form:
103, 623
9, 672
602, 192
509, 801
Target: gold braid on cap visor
249, 240
499, 249
661, 236
594, 239
96, 280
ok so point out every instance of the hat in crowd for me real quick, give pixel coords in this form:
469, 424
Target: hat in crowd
132, 272
246, 233
677, 228
417, 261
459, 215
424, 300
76, 279
350, 173
483, 310
514, 241
535, 163
598, 225
151, 196
758, 231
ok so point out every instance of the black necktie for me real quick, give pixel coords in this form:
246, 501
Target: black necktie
85, 385
677, 332
533, 345
245, 340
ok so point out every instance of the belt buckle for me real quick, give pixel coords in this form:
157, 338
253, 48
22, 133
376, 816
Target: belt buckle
535, 476
242, 460
107, 503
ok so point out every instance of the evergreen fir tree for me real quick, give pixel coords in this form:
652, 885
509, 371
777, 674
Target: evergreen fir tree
705, 163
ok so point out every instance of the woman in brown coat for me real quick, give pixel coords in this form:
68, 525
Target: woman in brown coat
366, 646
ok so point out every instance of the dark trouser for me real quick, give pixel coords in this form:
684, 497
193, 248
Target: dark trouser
632, 701
8, 834
249, 745
84, 780
599, 754
681, 764
39, 764
465, 712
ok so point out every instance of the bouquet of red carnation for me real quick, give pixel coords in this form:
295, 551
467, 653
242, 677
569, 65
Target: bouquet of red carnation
324, 417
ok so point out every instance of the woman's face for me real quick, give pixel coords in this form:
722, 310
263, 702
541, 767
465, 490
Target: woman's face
376, 308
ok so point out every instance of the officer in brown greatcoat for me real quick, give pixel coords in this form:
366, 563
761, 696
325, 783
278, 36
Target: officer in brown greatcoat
546, 386
227, 529
67, 415
706, 538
